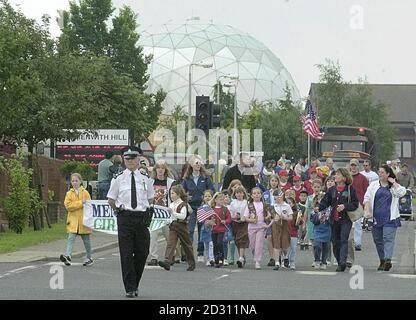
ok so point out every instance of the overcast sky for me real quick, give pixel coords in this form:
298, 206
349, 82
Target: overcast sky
369, 38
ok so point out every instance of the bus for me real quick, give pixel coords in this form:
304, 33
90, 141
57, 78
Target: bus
343, 143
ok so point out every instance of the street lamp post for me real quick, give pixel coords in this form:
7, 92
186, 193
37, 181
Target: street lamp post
203, 65
235, 151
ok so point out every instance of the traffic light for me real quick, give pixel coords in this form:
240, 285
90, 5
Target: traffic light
203, 114
215, 115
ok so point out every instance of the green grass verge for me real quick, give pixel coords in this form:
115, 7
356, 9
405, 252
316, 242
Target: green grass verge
10, 241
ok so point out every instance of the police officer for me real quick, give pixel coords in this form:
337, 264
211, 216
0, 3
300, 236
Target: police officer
130, 195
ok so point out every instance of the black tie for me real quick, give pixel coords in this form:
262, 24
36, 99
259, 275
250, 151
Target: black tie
133, 192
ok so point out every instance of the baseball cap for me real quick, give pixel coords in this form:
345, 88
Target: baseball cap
283, 173
354, 161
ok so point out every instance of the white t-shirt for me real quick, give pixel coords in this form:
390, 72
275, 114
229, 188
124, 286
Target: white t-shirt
371, 176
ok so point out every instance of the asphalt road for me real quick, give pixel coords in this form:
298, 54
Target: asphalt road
103, 280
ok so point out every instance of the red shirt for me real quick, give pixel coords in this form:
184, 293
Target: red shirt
219, 227
360, 185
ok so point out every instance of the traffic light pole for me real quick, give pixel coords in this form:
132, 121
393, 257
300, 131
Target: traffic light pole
190, 99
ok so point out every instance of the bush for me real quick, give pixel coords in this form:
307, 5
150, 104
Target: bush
22, 201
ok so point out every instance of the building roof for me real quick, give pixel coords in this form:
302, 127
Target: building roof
400, 99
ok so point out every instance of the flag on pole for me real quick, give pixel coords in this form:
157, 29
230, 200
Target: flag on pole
204, 213
310, 123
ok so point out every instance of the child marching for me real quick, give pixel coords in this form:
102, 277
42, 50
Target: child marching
240, 228
255, 214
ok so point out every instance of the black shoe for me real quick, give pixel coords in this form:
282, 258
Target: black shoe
130, 294
276, 267
271, 263
152, 262
286, 263
136, 293
358, 248
191, 268
387, 265
65, 259
239, 264
341, 268
381, 266
165, 265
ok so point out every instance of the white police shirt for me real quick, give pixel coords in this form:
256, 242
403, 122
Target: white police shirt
120, 190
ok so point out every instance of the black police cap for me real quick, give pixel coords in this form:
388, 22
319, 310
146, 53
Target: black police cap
131, 152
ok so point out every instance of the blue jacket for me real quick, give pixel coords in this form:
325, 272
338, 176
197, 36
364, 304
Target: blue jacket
196, 191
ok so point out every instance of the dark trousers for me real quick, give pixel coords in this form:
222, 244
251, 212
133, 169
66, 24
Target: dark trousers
217, 241
320, 250
179, 230
340, 233
103, 187
133, 241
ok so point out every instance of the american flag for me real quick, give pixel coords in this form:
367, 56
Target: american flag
310, 124
204, 213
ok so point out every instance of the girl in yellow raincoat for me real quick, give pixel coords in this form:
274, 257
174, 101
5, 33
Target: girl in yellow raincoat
74, 203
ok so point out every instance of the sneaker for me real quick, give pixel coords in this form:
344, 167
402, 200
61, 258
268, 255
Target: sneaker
152, 262
323, 266
271, 263
257, 265
65, 259
239, 264
208, 263
201, 259
212, 262
316, 265
277, 266
225, 262
292, 267
341, 268
313, 264
328, 263
286, 263
349, 264
88, 262
231, 262
221, 263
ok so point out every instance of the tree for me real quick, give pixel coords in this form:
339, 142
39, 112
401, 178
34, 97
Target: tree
342, 103
85, 33
282, 131
227, 101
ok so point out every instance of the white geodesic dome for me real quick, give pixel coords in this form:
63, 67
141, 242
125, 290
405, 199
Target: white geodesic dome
175, 46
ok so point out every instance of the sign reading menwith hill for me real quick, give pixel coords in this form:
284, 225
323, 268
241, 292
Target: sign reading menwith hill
93, 146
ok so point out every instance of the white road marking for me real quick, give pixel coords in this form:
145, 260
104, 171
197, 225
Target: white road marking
220, 277
55, 263
153, 268
22, 269
319, 273
403, 276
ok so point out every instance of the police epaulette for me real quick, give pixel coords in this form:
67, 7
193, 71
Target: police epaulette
144, 172
118, 174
